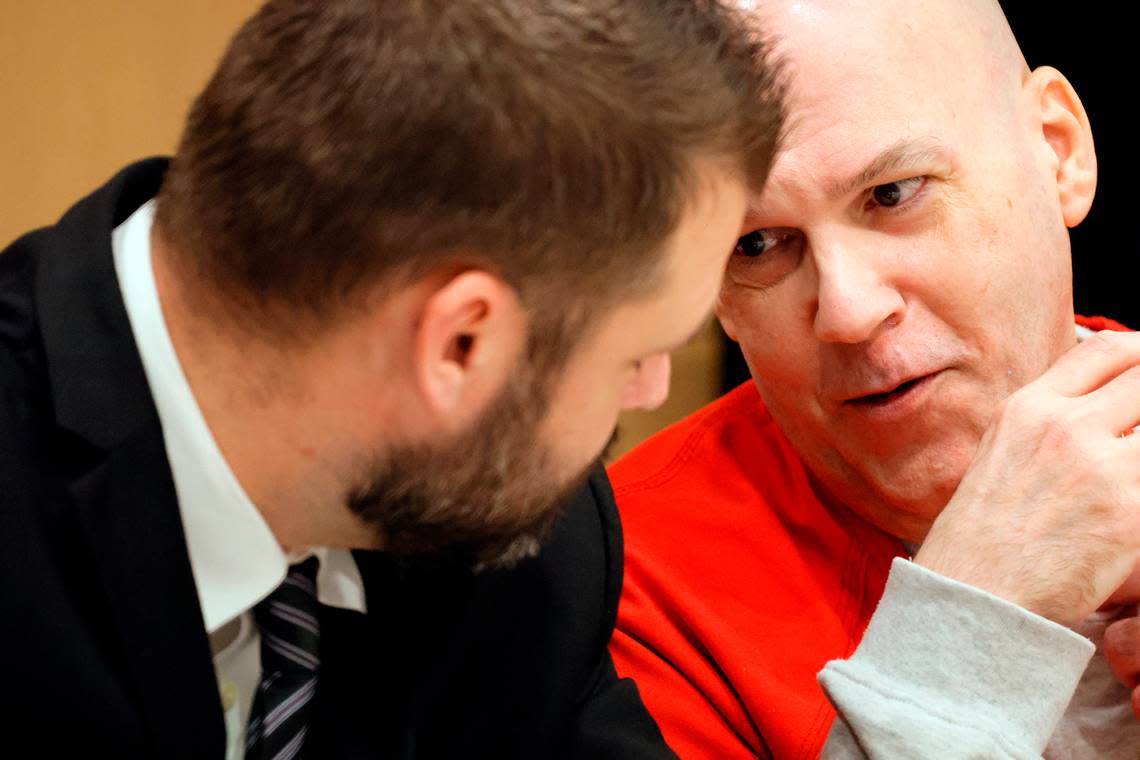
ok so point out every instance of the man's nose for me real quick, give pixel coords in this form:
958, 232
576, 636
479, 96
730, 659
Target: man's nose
650, 387
854, 295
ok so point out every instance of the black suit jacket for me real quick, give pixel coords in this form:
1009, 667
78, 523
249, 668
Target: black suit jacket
99, 620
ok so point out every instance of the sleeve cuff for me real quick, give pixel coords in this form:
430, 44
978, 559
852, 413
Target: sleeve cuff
965, 655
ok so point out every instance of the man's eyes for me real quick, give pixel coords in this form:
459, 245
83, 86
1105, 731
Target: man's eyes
892, 194
765, 250
765, 256
760, 241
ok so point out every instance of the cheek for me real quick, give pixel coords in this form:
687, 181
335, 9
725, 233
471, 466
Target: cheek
582, 415
785, 368
745, 313
1017, 277
1004, 237
775, 338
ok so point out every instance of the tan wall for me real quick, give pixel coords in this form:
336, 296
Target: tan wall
696, 381
87, 86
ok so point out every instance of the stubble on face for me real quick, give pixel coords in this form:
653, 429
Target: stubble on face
488, 496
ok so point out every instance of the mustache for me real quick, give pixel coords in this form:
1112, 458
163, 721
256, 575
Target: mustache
848, 372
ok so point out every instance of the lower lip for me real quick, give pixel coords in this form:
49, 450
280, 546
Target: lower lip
896, 404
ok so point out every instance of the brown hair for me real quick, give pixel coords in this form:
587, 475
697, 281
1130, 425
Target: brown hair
343, 142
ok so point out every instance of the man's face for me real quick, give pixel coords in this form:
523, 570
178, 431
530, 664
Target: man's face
494, 488
623, 362
907, 266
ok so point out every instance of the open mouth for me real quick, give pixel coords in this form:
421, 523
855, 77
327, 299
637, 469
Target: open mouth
875, 399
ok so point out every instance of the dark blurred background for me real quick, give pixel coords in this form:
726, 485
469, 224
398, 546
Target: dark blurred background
1091, 42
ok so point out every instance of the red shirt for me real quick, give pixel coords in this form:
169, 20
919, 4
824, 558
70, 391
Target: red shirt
739, 583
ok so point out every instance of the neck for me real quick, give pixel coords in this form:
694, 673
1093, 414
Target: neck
909, 527
265, 420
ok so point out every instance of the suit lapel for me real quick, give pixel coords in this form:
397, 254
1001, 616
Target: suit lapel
126, 505
121, 480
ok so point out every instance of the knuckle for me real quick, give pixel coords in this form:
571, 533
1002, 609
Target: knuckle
1060, 425
1021, 406
1058, 435
1085, 464
1110, 341
1131, 375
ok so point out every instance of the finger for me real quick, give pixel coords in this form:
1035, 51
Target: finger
1129, 591
1136, 701
1122, 650
1116, 404
1093, 363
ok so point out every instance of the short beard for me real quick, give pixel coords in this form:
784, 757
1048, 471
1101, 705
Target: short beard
490, 494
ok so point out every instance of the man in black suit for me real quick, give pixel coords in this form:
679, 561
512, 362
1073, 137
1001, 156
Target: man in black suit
284, 422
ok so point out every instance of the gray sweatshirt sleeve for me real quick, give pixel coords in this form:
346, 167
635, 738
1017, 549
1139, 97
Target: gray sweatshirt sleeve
951, 672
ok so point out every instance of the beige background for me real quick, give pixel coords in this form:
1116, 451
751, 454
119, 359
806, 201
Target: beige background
87, 86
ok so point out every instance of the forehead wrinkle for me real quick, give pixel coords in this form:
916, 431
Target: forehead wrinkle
904, 154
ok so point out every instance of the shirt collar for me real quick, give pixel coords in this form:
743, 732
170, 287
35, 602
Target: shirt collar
234, 556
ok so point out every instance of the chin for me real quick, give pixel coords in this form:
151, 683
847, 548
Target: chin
925, 498
920, 481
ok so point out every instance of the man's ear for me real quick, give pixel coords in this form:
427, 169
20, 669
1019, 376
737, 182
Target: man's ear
470, 335
1065, 128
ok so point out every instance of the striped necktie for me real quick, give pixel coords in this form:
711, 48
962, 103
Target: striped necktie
287, 621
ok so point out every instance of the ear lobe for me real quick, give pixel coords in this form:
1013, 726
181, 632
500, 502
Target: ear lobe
470, 333
1065, 127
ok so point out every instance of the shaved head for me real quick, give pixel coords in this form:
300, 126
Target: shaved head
977, 23
907, 265
964, 42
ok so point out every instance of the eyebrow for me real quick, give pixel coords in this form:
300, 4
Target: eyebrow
903, 154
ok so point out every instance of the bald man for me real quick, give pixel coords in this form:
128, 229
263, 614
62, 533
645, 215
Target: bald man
901, 284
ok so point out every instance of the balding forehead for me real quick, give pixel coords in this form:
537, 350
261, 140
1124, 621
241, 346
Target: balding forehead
974, 27
864, 76
943, 58
978, 11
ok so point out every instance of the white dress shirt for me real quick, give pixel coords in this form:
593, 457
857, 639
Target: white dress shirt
234, 556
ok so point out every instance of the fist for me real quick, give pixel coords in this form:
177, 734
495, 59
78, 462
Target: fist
1048, 514
1122, 650
1122, 639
